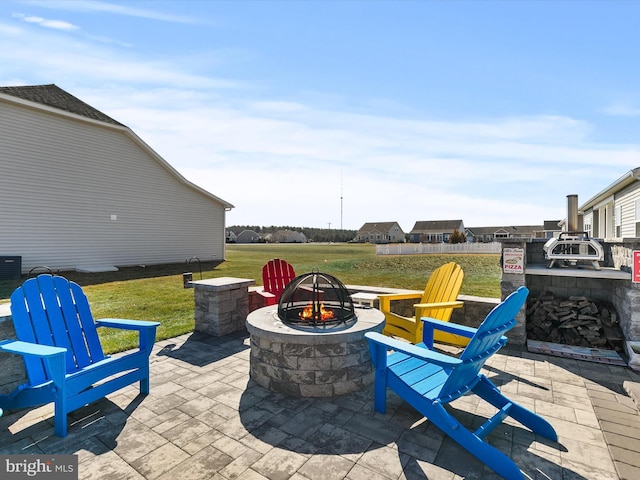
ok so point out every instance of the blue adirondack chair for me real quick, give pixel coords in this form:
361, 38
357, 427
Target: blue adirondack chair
64, 360
429, 380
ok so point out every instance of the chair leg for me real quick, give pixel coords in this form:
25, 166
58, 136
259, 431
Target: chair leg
379, 359
487, 454
534, 422
60, 416
56, 367
144, 383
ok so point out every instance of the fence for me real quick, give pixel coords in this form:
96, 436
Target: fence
438, 248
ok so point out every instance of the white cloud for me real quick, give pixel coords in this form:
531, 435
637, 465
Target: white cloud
112, 8
9, 30
47, 23
71, 62
622, 110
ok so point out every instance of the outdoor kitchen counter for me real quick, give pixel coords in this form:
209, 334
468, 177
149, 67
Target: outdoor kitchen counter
582, 271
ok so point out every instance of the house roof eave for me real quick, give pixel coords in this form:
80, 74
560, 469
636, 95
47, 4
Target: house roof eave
174, 172
624, 181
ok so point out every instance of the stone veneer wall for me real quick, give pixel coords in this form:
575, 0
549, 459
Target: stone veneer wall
508, 284
221, 305
311, 370
626, 295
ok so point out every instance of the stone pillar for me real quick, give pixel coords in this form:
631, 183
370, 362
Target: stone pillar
221, 305
626, 294
511, 280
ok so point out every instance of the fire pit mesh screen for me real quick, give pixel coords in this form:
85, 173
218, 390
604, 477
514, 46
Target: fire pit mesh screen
315, 299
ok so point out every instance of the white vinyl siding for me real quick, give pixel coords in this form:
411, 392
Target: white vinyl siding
637, 217
627, 202
62, 181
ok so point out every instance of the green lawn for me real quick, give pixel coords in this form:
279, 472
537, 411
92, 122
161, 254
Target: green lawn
163, 298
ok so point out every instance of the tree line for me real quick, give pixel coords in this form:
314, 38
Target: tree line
312, 234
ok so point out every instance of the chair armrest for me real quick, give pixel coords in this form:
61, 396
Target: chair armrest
399, 296
146, 330
448, 327
434, 306
431, 325
265, 294
386, 299
413, 350
54, 359
31, 349
125, 324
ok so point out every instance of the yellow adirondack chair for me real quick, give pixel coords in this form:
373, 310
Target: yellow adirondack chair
438, 301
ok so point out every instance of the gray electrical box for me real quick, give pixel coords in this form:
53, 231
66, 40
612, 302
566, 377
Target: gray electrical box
10, 267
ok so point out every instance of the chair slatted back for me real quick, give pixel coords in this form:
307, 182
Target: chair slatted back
443, 286
276, 275
51, 310
485, 342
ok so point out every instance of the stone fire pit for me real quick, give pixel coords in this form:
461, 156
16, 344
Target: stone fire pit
311, 362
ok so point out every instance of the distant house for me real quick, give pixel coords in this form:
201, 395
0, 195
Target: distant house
230, 236
380, 232
492, 234
551, 228
247, 236
614, 212
285, 236
79, 189
435, 231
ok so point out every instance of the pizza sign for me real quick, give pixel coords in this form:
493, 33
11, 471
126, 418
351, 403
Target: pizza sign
513, 260
635, 270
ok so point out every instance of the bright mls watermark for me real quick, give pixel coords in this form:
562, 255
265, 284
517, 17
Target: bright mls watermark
50, 467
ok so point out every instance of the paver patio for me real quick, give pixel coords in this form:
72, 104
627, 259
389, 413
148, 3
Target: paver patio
205, 419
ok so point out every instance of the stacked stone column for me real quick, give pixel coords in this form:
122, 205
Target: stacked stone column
508, 284
221, 305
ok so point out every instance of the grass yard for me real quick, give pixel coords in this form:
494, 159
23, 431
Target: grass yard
156, 293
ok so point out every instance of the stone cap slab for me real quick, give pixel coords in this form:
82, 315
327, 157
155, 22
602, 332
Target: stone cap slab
5, 311
223, 283
265, 323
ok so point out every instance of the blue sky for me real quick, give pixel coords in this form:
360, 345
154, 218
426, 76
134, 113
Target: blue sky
489, 112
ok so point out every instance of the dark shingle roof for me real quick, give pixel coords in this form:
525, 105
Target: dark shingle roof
54, 96
436, 225
552, 225
512, 230
377, 226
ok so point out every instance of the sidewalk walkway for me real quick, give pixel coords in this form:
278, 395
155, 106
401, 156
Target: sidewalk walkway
205, 419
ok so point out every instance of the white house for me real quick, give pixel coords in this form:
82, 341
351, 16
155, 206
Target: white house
435, 231
247, 236
615, 211
79, 189
492, 234
380, 232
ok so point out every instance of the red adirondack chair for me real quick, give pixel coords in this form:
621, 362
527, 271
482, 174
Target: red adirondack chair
276, 275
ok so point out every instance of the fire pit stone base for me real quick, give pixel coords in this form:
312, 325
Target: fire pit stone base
314, 362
